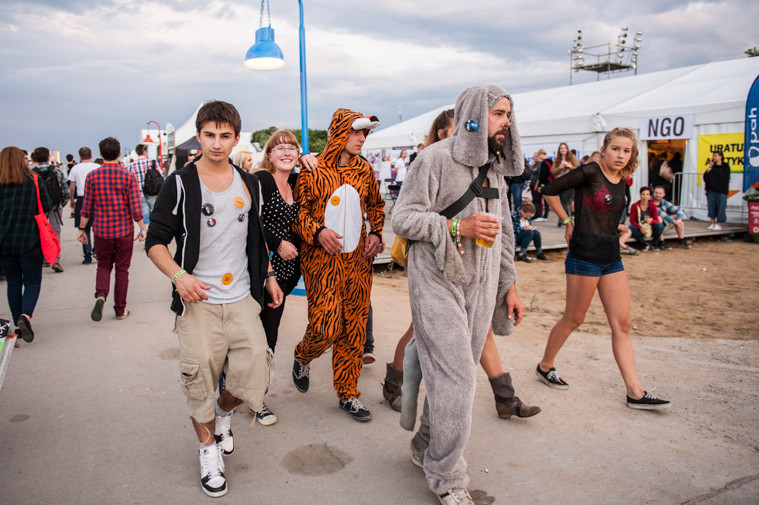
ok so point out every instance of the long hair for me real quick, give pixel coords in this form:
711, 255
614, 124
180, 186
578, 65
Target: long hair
629, 169
441, 122
278, 137
13, 167
559, 158
240, 158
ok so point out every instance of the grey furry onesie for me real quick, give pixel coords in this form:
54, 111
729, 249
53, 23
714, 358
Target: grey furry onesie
454, 297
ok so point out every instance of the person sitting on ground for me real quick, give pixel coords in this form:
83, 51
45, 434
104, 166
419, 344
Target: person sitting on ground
645, 222
666, 212
524, 233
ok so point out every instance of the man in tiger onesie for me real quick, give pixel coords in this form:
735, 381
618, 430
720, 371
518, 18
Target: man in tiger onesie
336, 255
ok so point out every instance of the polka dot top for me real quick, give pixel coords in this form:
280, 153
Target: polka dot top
278, 218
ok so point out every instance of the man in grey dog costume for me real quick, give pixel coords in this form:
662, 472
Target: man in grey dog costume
456, 286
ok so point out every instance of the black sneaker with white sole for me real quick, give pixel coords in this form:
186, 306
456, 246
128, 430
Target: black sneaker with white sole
356, 409
647, 402
551, 378
265, 416
301, 374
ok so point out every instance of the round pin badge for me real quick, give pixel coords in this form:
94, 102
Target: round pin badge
211, 223
239, 202
335, 201
607, 199
241, 217
226, 279
472, 125
207, 209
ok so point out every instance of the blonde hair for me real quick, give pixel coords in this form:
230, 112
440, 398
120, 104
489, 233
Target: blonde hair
241, 157
278, 137
629, 134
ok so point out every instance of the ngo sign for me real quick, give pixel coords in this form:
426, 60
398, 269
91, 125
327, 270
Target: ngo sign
666, 127
751, 152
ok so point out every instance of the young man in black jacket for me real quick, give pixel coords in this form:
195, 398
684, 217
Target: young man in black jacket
210, 207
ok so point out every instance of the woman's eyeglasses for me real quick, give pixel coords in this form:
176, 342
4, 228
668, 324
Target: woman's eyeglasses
285, 149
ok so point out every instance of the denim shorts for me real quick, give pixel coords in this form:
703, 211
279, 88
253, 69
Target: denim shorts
576, 266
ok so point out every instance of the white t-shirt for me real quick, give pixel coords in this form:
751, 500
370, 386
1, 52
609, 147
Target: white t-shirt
78, 174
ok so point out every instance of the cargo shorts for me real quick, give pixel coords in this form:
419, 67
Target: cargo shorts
228, 337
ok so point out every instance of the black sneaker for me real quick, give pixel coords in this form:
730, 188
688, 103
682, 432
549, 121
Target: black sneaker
645, 248
541, 257
684, 244
523, 257
648, 402
97, 310
25, 328
301, 374
665, 246
356, 409
551, 378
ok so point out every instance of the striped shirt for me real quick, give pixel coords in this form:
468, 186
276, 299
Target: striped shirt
112, 201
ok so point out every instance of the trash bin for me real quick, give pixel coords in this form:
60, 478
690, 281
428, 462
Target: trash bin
753, 219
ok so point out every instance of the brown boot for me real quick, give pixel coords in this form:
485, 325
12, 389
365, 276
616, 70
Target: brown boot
506, 403
391, 389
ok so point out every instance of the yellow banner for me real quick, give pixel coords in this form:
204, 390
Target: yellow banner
731, 145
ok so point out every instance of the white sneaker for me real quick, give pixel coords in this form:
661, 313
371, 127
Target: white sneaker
717, 227
456, 496
710, 227
223, 434
212, 479
540, 219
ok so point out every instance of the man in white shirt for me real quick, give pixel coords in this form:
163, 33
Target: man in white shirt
77, 176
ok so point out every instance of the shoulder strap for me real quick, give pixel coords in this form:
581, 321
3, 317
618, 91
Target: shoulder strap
39, 203
475, 189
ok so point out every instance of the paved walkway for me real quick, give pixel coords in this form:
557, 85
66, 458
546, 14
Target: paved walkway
91, 413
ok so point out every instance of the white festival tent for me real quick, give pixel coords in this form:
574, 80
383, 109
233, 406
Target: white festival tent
712, 95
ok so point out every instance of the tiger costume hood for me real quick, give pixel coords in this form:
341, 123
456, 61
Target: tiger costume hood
343, 121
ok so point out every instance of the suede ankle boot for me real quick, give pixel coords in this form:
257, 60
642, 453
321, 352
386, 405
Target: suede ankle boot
506, 403
391, 389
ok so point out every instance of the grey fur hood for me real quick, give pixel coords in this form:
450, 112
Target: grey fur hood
470, 136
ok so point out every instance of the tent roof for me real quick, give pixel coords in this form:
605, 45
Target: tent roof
714, 92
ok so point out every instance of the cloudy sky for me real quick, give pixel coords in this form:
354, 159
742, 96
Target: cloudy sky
76, 71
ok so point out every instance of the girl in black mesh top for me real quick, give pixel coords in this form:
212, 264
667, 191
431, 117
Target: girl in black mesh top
593, 261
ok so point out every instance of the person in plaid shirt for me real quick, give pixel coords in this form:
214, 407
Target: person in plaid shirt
139, 168
112, 198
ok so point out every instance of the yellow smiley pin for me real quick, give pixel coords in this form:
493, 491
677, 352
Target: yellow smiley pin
227, 279
239, 202
335, 200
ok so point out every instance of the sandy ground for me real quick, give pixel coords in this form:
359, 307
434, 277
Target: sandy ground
92, 413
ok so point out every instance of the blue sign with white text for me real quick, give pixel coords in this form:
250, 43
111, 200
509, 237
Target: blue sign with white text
751, 146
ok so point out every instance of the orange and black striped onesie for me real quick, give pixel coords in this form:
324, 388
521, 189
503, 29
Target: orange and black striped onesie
338, 287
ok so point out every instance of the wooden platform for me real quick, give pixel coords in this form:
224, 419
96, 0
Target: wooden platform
553, 236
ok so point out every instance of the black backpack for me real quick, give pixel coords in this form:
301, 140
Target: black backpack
49, 178
153, 181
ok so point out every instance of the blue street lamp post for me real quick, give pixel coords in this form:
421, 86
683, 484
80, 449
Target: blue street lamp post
265, 54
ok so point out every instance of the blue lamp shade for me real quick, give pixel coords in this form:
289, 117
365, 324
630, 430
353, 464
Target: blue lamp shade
265, 54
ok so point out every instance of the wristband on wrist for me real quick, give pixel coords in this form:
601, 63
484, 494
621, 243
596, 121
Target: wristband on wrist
567, 220
454, 227
176, 276
271, 274
82, 229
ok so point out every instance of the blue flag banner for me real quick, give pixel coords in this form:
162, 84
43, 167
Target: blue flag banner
751, 146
